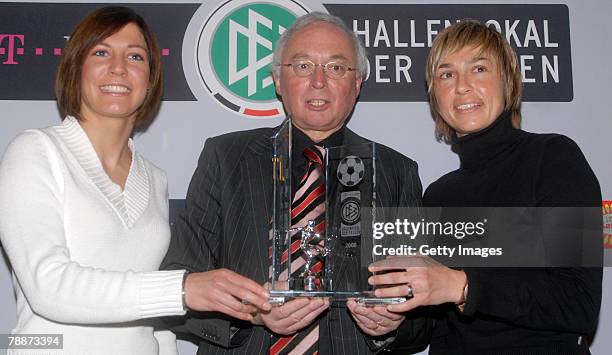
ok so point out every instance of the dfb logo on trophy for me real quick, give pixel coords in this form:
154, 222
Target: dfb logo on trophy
234, 53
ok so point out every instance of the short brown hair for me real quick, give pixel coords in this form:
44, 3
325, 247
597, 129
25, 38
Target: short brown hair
92, 30
471, 33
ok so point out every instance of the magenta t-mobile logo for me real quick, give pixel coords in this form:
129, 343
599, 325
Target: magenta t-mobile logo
15, 45
35, 35
11, 48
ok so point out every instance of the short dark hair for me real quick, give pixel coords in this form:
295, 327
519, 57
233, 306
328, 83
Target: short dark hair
93, 29
471, 33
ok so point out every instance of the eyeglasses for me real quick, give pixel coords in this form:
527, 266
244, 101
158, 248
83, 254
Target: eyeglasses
332, 70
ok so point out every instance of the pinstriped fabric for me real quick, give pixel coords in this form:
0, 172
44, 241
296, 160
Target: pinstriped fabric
130, 203
225, 224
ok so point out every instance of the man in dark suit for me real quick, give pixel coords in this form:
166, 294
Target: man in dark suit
318, 68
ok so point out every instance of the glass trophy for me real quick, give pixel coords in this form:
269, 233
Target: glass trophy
345, 246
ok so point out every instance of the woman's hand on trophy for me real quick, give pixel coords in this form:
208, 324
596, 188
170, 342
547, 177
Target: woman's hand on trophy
225, 291
375, 320
292, 316
419, 278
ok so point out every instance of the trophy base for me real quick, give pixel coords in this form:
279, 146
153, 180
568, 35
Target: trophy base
309, 283
363, 298
373, 301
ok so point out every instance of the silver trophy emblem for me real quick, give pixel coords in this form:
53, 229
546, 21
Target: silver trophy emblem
311, 245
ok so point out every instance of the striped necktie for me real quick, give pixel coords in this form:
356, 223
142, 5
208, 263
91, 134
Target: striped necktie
308, 204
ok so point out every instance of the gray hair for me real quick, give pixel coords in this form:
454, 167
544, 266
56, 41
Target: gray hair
313, 17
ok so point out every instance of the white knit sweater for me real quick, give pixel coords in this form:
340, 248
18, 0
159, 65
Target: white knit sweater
83, 251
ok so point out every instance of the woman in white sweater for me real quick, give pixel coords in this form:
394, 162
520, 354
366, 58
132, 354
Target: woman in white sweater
84, 217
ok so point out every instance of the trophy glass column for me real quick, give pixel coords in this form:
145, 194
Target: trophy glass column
345, 245
350, 214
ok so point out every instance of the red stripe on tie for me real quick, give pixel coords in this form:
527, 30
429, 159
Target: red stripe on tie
318, 267
293, 248
312, 156
320, 190
277, 347
319, 228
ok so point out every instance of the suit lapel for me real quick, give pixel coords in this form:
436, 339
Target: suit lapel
257, 168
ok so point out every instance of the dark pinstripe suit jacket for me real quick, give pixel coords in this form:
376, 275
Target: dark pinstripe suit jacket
225, 225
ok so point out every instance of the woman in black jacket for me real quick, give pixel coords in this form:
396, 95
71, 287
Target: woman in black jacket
474, 85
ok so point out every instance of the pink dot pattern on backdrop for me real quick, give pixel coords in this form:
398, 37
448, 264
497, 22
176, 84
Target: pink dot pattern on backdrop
39, 51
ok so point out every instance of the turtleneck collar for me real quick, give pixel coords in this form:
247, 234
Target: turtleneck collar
478, 148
